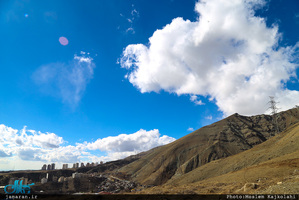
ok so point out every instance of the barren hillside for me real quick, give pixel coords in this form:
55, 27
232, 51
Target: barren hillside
270, 167
222, 139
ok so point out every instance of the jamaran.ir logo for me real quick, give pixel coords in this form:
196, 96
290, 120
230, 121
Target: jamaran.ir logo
17, 188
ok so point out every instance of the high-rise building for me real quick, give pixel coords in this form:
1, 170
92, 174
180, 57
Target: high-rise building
74, 165
77, 165
88, 165
64, 166
82, 164
44, 167
49, 167
53, 166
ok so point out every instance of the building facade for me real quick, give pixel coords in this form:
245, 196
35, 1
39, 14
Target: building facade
44, 167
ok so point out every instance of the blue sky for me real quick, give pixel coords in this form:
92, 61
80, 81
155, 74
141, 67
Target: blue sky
135, 72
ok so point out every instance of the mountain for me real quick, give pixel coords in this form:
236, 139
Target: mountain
222, 139
270, 167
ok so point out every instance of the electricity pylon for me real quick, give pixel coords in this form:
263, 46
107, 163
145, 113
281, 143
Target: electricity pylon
274, 110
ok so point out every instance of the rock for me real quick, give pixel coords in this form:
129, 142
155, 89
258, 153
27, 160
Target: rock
249, 186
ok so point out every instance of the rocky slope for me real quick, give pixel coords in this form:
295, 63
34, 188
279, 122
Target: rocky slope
222, 139
268, 168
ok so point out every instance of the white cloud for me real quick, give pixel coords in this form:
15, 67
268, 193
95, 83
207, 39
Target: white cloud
190, 129
32, 154
65, 154
195, 99
4, 154
27, 144
134, 14
228, 54
209, 117
29, 149
130, 30
29, 138
297, 18
125, 144
85, 60
66, 81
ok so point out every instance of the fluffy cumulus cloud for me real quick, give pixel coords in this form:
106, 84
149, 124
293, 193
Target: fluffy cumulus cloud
228, 55
130, 144
29, 149
28, 144
67, 81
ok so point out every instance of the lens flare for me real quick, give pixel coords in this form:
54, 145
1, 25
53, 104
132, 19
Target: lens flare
63, 41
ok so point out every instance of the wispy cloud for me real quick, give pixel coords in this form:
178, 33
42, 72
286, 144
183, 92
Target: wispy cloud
50, 16
134, 14
209, 117
33, 148
296, 16
190, 129
195, 99
228, 54
67, 81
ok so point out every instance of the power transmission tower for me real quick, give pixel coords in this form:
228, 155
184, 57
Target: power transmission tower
274, 114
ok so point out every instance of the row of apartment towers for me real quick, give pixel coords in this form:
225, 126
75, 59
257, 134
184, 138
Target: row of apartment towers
65, 166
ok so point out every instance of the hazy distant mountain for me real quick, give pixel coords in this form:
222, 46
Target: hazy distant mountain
186, 156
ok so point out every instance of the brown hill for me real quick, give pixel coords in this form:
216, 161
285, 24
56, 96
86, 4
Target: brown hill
224, 138
270, 167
